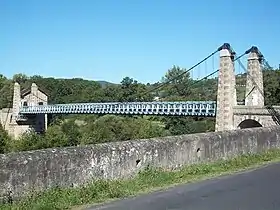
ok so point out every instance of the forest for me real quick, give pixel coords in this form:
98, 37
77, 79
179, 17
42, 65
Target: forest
72, 130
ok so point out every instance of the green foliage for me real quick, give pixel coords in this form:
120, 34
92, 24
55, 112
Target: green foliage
179, 88
272, 87
55, 137
117, 128
131, 91
106, 128
28, 141
146, 180
71, 132
179, 126
4, 140
20, 78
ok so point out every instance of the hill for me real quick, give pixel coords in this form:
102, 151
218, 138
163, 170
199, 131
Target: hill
105, 83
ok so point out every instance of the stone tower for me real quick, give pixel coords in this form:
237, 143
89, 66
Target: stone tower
16, 103
226, 95
254, 84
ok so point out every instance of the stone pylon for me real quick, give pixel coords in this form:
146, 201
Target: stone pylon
254, 84
34, 95
16, 102
226, 95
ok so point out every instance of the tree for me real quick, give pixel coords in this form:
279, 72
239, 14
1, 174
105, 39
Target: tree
20, 78
29, 141
179, 126
72, 132
145, 128
6, 94
112, 93
106, 128
271, 87
178, 84
55, 137
131, 91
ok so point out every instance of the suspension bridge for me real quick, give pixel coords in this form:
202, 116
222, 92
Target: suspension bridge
188, 108
228, 112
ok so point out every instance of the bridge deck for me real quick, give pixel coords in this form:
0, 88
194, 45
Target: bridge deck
187, 108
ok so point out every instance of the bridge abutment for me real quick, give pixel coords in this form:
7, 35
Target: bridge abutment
13, 122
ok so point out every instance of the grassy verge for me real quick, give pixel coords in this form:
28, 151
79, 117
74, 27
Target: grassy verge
146, 181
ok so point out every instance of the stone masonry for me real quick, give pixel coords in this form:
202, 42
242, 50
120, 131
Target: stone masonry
24, 172
254, 90
13, 122
226, 96
231, 116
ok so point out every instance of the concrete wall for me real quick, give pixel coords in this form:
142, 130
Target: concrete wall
73, 166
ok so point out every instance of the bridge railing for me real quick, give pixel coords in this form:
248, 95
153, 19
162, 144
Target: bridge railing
189, 108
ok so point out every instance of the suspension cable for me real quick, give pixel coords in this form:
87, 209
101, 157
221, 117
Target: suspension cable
216, 70
224, 46
252, 79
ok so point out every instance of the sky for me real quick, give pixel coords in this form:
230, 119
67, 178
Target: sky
111, 39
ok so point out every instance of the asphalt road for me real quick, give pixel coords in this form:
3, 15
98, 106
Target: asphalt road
252, 190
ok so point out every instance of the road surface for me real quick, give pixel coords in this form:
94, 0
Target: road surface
257, 189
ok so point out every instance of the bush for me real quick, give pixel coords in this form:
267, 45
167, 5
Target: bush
29, 141
5, 140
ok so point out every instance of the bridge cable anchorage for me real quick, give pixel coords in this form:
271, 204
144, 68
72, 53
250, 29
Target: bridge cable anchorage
275, 115
224, 46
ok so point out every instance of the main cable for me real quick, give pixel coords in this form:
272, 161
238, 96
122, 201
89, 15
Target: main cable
197, 81
185, 72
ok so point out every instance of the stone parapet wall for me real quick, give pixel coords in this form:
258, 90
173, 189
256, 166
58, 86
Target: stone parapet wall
73, 166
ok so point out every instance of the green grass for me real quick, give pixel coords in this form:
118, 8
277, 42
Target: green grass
146, 181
